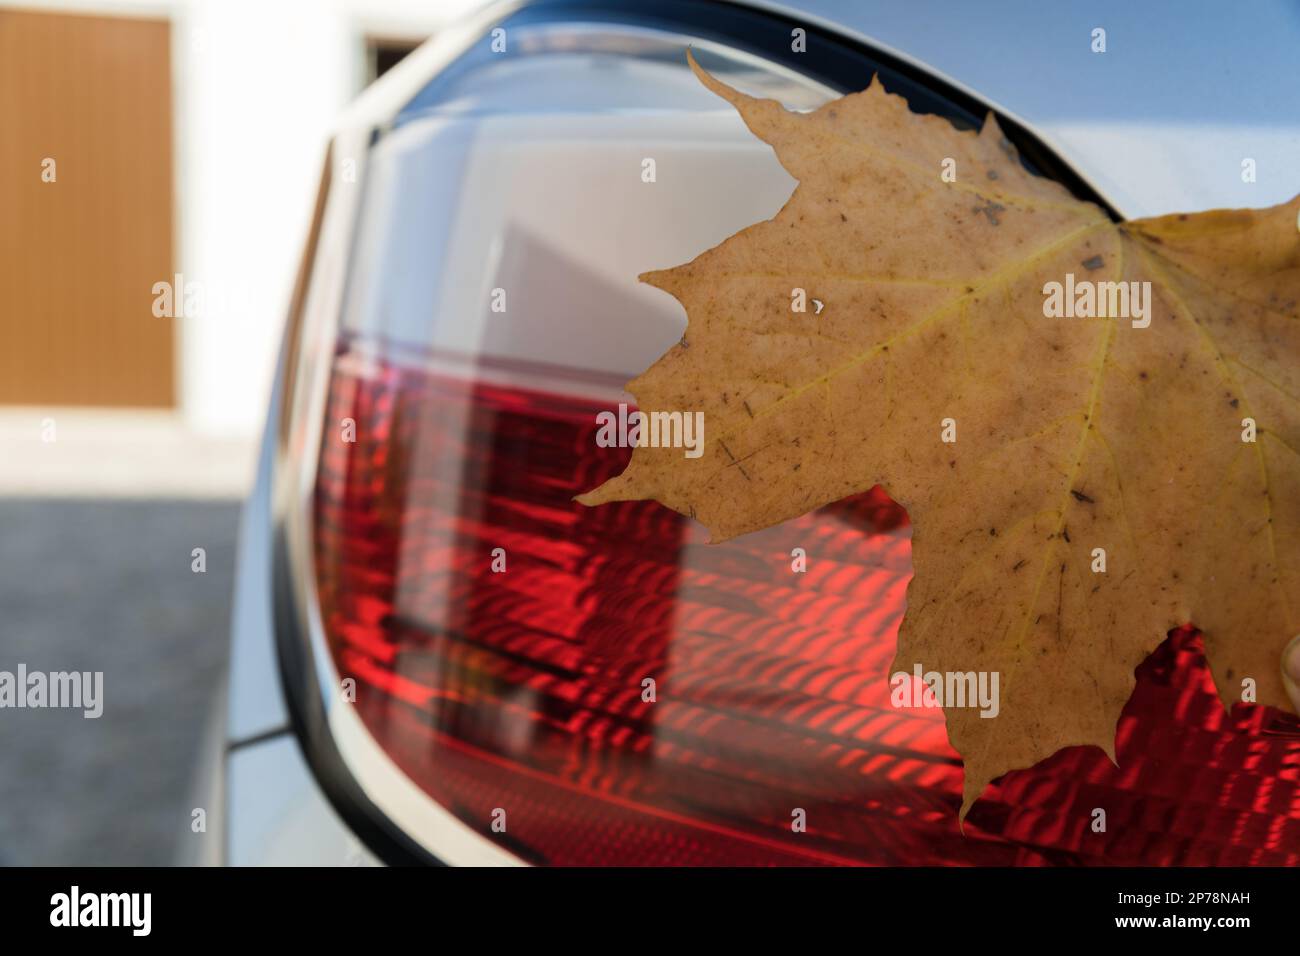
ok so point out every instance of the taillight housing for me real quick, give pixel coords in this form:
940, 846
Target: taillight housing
501, 673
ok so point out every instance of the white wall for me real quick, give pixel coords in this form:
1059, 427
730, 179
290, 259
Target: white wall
256, 86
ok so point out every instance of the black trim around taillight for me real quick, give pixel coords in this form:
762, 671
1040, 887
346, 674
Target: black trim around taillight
838, 61
310, 724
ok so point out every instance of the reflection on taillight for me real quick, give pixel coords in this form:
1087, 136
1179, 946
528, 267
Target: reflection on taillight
524, 690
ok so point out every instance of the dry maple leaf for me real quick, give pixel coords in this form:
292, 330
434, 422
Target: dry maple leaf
1072, 434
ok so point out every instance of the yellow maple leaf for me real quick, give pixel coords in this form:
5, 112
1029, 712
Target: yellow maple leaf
1078, 484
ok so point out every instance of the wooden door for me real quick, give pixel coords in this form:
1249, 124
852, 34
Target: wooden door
85, 210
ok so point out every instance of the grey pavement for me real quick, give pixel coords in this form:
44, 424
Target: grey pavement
107, 585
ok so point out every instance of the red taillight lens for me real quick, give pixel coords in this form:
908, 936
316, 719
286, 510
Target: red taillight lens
522, 690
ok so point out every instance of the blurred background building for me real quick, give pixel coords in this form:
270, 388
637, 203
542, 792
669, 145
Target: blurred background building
186, 137
146, 147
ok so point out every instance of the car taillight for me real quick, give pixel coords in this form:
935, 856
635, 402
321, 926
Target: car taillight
521, 689
598, 685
